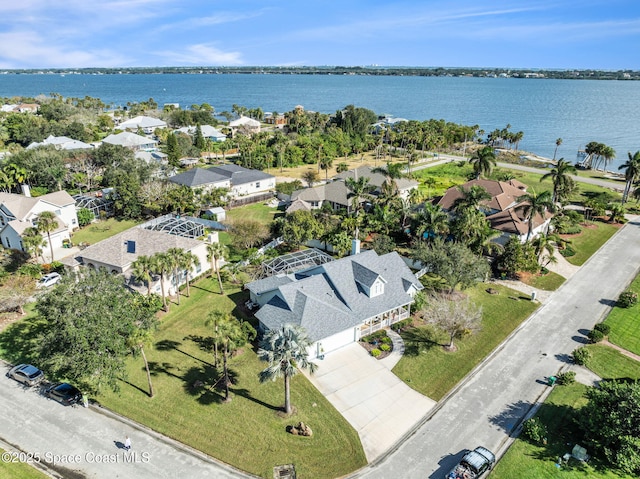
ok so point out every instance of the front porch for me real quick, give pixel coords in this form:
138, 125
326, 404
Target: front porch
386, 319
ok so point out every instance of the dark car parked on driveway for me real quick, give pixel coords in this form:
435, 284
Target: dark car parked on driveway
26, 374
64, 393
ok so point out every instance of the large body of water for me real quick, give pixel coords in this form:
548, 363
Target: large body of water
578, 111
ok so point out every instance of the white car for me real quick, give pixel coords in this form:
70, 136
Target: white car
48, 280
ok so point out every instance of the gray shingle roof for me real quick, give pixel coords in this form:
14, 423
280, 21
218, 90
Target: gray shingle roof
198, 177
327, 299
240, 175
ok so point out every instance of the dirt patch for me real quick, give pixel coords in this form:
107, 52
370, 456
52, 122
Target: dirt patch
8, 318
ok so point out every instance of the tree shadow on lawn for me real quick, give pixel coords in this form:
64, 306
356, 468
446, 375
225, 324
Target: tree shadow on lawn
421, 339
21, 340
245, 394
207, 384
193, 286
169, 345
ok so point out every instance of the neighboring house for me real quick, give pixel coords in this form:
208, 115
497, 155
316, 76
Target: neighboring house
387, 122
278, 120
19, 212
503, 210
208, 132
117, 254
338, 302
132, 141
337, 194
62, 143
151, 157
240, 181
145, 123
245, 125
27, 108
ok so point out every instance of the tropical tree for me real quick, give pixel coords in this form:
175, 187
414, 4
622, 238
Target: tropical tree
456, 318
310, 177
558, 143
561, 179
533, 204
216, 252
161, 265
142, 335
175, 258
546, 243
188, 261
141, 270
325, 163
286, 351
359, 189
431, 222
631, 173
392, 173
471, 198
33, 242
46, 222
483, 161
616, 212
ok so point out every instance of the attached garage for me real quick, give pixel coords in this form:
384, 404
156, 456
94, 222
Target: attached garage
331, 343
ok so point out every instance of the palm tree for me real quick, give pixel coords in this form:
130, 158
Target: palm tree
33, 242
232, 336
359, 189
558, 143
286, 350
560, 178
483, 161
188, 261
140, 338
534, 204
161, 265
631, 173
547, 242
432, 221
392, 172
471, 198
46, 223
175, 260
216, 252
141, 271
617, 212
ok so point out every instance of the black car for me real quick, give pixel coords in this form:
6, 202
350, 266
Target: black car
26, 374
64, 393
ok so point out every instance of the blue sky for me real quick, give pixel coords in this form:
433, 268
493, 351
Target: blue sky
480, 33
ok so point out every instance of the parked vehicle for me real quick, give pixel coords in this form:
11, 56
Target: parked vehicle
26, 374
64, 393
48, 280
473, 464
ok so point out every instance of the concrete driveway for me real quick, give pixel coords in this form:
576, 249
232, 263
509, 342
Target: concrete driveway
374, 401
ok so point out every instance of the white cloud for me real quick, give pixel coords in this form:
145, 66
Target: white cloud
199, 54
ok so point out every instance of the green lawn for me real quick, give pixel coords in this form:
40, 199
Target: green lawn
257, 211
625, 324
94, 232
547, 282
590, 240
432, 371
524, 460
11, 470
609, 363
248, 433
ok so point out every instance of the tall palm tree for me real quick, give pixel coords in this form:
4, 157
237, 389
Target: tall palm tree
631, 173
141, 271
534, 204
161, 265
138, 340
432, 221
188, 261
47, 223
286, 350
392, 173
33, 242
558, 143
471, 198
359, 189
560, 177
216, 252
175, 259
546, 243
483, 161
231, 336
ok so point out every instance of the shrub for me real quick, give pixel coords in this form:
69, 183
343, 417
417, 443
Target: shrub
85, 216
595, 336
568, 251
603, 328
29, 269
627, 299
401, 324
581, 356
534, 430
564, 379
385, 347
376, 352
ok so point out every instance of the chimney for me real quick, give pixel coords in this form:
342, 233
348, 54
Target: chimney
26, 191
355, 246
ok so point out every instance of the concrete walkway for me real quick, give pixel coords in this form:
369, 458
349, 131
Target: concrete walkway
379, 406
396, 354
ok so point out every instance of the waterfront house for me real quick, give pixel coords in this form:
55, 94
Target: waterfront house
131, 140
147, 124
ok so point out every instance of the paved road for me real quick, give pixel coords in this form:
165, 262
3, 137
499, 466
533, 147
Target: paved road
487, 408
82, 443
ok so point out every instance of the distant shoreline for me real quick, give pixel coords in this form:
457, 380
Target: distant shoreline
499, 73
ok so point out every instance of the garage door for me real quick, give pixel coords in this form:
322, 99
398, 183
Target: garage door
334, 342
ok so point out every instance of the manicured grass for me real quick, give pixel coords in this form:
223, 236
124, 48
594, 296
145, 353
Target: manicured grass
625, 324
547, 282
249, 432
524, 460
590, 240
609, 363
432, 371
257, 211
94, 232
19, 470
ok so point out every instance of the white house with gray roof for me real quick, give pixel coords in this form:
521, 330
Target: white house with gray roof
131, 140
338, 302
240, 181
145, 123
